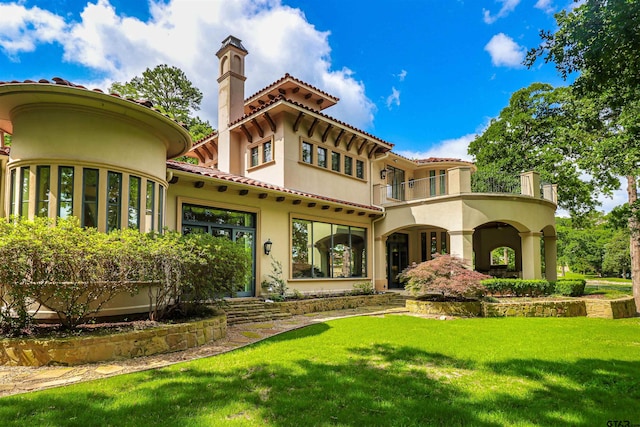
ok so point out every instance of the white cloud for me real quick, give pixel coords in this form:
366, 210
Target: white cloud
504, 51
21, 29
508, 6
545, 5
451, 148
394, 98
186, 34
402, 75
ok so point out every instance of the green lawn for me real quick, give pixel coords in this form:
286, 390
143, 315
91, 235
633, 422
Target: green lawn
396, 370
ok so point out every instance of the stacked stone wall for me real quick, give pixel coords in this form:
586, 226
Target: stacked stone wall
467, 309
126, 345
535, 309
315, 305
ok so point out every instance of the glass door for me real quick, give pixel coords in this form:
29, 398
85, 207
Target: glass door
397, 258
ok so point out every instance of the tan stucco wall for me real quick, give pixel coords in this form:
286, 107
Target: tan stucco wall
273, 222
316, 180
86, 136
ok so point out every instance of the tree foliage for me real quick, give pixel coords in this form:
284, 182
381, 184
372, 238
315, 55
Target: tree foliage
444, 275
600, 40
538, 131
169, 89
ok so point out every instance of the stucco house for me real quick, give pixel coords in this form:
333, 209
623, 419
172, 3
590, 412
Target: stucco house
334, 203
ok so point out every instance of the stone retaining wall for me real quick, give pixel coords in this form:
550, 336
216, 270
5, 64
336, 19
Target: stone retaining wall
467, 309
611, 309
608, 309
535, 309
314, 305
126, 345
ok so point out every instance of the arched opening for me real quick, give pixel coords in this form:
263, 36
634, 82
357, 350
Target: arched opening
497, 249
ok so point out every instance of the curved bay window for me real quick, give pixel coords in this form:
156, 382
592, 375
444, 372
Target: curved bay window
102, 199
325, 250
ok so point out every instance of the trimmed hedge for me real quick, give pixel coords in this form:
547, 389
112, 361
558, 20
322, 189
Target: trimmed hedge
570, 287
518, 287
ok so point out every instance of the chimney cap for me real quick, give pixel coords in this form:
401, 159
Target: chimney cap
232, 41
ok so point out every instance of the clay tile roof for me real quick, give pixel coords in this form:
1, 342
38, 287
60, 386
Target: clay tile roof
215, 173
440, 160
289, 101
61, 82
290, 77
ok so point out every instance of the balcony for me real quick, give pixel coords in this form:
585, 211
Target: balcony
459, 181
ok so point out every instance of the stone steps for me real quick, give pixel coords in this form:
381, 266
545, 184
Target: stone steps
399, 300
247, 310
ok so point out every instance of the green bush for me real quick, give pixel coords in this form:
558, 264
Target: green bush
570, 288
363, 288
75, 271
518, 287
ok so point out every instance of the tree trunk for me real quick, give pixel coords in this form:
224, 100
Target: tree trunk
634, 228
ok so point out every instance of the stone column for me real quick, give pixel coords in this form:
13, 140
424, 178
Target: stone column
380, 263
550, 257
461, 245
531, 265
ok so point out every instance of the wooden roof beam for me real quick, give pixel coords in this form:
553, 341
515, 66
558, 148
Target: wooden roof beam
272, 124
362, 145
313, 127
351, 141
373, 150
246, 133
296, 125
325, 135
258, 127
282, 91
209, 153
337, 141
200, 156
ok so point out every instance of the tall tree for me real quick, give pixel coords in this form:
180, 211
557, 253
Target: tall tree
169, 89
537, 131
600, 39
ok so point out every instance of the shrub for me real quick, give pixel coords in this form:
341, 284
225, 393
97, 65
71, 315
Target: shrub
72, 271
570, 288
192, 270
363, 288
444, 275
275, 286
518, 287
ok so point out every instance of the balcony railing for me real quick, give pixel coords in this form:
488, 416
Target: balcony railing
460, 180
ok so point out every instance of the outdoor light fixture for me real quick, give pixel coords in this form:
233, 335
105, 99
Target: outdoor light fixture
267, 247
383, 174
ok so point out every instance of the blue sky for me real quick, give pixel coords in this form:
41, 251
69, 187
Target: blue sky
426, 75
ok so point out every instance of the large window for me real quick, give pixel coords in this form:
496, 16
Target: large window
160, 208
307, 152
322, 157
114, 200
255, 156
260, 152
65, 191
12, 193
150, 206
24, 191
325, 250
134, 202
335, 161
359, 169
348, 165
43, 182
90, 198
267, 154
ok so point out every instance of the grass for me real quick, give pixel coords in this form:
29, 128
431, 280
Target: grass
396, 371
594, 278
610, 291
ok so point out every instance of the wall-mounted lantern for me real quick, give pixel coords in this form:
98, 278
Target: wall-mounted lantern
383, 174
267, 246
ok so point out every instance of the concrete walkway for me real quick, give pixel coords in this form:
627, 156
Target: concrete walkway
21, 379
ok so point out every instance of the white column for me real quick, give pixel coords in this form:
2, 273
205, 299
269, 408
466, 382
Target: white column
531, 265
380, 263
461, 242
550, 257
